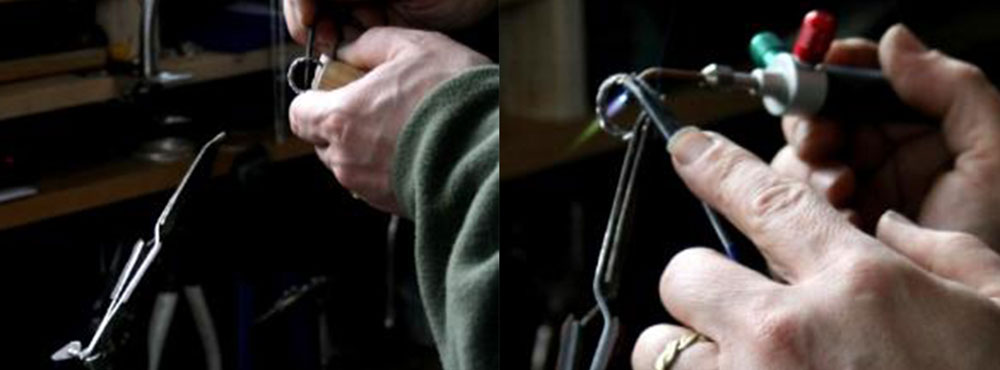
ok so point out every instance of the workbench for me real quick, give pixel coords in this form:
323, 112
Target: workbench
86, 188
64, 193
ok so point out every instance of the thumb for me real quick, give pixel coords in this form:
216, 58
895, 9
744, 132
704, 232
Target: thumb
952, 255
376, 46
942, 87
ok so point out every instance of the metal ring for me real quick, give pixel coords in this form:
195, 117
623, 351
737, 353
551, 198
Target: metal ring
619, 131
310, 64
673, 350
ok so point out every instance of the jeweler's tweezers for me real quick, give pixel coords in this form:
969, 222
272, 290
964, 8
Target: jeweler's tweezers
665, 122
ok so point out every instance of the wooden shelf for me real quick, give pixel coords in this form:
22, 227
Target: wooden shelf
50, 64
65, 193
18, 99
52, 93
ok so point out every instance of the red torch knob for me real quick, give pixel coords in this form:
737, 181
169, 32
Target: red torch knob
815, 36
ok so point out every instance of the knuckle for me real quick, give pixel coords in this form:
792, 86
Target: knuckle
678, 277
868, 276
958, 70
417, 37
958, 246
981, 165
430, 41
967, 72
347, 177
294, 114
435, 35
421, 36
728, 167
784, 161
298, 113
991, 289
670, 277
956, 239
936, 56
297, 32
295, 124
378, 30
334, 126
324, 156
763, 196
772, 200
690, 257
777, 334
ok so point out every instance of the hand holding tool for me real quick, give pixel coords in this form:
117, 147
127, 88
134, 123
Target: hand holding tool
793, 83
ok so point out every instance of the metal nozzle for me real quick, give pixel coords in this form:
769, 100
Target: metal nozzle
717, 75
660, 73
723, 76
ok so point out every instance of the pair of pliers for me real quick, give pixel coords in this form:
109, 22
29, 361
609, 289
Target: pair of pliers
197, 177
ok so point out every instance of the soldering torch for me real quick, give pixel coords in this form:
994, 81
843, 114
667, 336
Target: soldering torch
796, 82
788, 87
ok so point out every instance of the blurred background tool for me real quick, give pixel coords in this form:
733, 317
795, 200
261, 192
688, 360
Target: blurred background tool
144, 253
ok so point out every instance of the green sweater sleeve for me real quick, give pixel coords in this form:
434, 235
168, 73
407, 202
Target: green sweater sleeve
447, 179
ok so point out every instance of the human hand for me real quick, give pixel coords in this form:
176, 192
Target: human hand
300, 15
913, 298
945, 177
355, 127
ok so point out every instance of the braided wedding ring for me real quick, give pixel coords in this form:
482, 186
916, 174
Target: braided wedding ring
673, 349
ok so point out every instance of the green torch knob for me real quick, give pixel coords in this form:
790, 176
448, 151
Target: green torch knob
764, 46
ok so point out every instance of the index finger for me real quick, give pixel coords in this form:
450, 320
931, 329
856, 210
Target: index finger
797, 231
854, 51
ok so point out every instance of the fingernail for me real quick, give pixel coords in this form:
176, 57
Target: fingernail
824, 179
688, 143
907, 41
801, 131
343, 48
897, 217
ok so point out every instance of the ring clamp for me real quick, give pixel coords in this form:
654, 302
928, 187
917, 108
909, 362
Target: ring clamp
308, 63
308, 66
